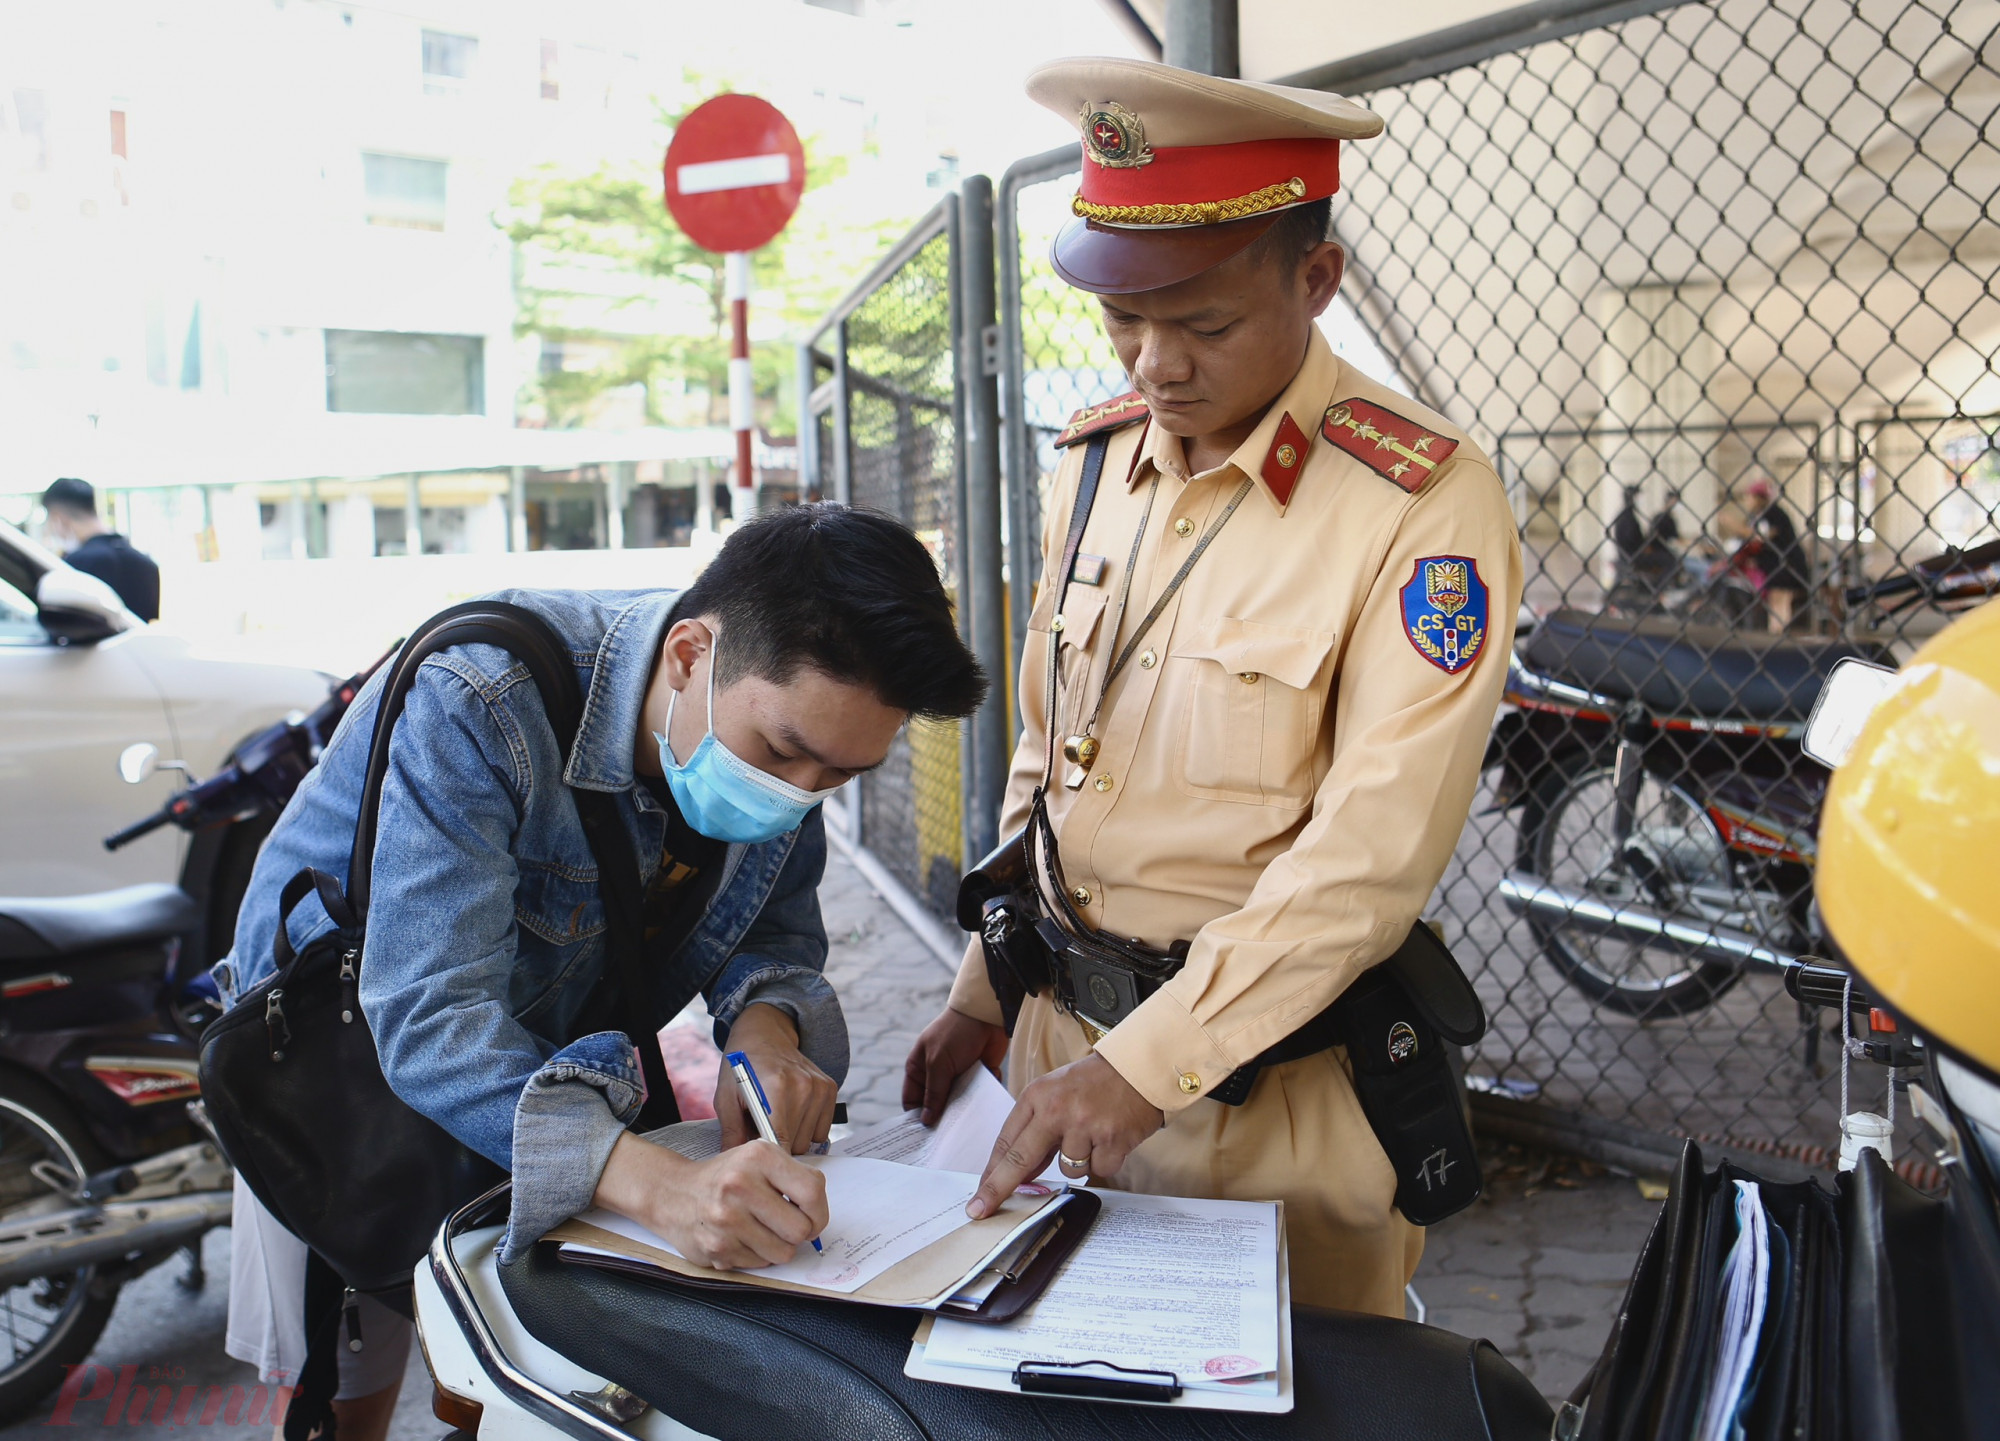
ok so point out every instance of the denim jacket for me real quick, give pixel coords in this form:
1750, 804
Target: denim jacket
485, 930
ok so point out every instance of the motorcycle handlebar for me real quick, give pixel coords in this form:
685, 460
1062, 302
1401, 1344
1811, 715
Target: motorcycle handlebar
131, 833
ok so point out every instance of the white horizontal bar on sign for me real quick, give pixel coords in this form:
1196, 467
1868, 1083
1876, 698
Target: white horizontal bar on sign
738, 174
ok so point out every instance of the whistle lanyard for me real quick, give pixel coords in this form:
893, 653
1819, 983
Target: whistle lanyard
1087, 735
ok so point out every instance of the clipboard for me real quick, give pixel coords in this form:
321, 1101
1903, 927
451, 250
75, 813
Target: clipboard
911, 1284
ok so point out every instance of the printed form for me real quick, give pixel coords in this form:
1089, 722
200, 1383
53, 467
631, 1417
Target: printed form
1162, 1283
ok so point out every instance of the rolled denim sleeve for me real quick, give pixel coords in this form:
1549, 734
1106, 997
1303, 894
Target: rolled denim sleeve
781, 956
570, 1115
441, 951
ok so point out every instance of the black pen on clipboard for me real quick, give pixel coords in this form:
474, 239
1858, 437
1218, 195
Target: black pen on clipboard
759, 1108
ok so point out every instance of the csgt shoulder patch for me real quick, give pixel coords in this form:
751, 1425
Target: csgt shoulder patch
1444, 611
1096, 419
1396, 449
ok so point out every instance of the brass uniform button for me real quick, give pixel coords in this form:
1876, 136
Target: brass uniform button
1183, 527
1103, 783
1249, 677
1147, 660
1190, 1083
1081, 895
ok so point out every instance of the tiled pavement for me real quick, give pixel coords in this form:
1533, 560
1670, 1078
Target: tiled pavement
1537, 1268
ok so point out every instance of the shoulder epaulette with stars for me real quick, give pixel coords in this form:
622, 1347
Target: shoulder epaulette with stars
1096, 419
1396, 449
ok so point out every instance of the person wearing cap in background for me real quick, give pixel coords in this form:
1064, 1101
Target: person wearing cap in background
1279, 770
95, 549
1778, 555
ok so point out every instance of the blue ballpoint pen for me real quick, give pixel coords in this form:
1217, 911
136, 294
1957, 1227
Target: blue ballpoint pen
758, 1106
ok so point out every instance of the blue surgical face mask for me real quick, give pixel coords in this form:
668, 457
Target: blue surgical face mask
722, 795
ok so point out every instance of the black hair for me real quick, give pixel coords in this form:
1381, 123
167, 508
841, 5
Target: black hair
850, 593
71, 494
1298, 230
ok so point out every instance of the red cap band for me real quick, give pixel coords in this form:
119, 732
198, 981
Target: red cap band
1195, 174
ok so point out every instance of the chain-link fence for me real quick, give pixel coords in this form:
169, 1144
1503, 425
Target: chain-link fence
1713, 285
881, 426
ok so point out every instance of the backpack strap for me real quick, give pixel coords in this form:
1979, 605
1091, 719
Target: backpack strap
534, 642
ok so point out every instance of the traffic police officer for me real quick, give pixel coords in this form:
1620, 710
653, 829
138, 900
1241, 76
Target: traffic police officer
1281, 770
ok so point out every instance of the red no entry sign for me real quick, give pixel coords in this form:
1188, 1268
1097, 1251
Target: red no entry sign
734, 173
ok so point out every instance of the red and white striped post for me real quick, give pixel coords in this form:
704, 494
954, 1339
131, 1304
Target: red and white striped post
742, 407
734, 173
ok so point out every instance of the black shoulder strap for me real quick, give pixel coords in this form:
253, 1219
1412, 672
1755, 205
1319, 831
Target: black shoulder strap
534, 642
1079, 513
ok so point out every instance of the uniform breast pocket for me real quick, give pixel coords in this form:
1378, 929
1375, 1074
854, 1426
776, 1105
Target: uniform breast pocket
1082, 610
1255, 698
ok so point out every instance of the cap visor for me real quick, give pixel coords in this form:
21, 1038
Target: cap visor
1112, 260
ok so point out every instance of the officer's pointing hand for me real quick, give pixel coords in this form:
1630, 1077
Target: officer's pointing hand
1085, 1110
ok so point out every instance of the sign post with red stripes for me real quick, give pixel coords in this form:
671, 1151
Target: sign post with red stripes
734, 173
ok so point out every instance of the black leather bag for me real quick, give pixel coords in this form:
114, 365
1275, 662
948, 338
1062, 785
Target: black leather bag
290, 1073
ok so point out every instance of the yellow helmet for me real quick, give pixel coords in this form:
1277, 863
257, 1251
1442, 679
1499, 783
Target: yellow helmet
1907, 880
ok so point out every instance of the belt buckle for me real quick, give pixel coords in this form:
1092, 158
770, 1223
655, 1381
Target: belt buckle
1092, 1032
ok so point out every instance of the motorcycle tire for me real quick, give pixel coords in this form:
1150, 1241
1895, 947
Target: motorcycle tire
1567, 787
37, 1124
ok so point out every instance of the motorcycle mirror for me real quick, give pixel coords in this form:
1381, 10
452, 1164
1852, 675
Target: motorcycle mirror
1852, 691
138, 761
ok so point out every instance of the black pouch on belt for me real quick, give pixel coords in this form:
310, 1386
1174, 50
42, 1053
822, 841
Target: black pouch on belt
1395, 1021
997, 903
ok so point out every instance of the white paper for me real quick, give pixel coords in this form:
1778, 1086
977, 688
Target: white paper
1746, 1282
919, 1367
1160, 1283
962, 1140
879, 1213
696, 1140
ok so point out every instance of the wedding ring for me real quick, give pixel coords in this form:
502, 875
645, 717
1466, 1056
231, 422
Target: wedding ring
1070, 1164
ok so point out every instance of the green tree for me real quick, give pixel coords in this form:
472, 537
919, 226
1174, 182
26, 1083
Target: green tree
602, 268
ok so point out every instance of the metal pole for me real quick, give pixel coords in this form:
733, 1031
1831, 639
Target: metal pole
811, 482
615, 491
413, 515
1202, 35
742, 414
517, 509
843, 450
980, 533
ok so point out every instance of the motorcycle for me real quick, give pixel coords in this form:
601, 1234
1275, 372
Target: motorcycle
523, 1351
1666, 812
106, 1170
107, 1166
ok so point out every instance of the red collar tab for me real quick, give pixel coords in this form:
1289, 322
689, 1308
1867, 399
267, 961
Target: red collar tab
1396, 449
1096, 419
1286, 459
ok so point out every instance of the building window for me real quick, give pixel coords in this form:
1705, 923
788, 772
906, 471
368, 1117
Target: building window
447, 61
551, 80
401, 373
403, 191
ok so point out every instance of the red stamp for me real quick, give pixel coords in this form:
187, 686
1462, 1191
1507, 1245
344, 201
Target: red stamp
1223, 1367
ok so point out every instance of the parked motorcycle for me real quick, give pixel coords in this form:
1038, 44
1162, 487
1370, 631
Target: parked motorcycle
1667, 815
106, 1164
105, 1168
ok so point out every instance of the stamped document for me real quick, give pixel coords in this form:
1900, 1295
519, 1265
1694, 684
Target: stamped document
1162, 1284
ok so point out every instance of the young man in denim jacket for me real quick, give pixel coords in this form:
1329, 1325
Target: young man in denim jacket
719, 717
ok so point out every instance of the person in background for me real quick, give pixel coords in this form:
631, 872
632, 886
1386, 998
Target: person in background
1780, 555
1627, 533
95, 549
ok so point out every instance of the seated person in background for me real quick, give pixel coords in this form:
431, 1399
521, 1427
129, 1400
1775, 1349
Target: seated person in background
719, 717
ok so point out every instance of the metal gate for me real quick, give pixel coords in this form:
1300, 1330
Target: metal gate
1662, 261
896, 415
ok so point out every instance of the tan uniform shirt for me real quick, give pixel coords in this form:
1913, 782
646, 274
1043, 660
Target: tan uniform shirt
1284, 772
